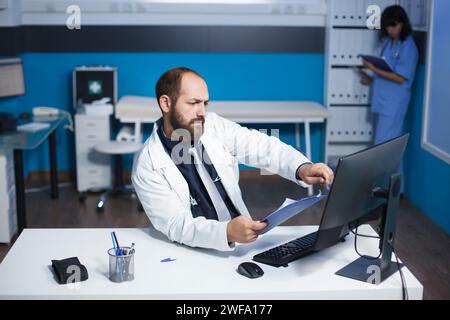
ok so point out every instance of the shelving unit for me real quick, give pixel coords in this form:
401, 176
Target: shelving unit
349, 128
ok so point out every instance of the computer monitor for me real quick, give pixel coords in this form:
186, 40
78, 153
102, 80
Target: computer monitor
351, 197
364, 182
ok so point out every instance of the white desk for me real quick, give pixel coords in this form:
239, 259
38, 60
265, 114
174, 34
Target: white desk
296, 112
195, 274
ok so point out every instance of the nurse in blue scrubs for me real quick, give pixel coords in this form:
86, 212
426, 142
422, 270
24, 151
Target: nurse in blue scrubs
391, 91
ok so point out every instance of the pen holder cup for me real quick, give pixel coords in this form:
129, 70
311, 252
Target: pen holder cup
121, 266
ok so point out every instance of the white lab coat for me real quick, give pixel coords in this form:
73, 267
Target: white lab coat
164, 192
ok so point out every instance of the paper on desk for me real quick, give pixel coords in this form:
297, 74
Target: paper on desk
33, 126
288, 209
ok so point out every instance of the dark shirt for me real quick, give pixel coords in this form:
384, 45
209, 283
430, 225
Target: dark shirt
201, 204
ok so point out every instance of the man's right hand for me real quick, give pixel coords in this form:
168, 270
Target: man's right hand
244, 230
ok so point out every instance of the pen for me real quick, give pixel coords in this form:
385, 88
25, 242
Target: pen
120, 252
116, 250
114, 243
117, 242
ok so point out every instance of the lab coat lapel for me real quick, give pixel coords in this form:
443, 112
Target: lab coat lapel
162, 161
177, 182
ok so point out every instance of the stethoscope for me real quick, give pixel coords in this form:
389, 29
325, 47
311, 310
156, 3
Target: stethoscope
193, 201
396, 54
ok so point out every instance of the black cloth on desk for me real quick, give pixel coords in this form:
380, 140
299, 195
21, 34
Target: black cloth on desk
204, 206
62, 271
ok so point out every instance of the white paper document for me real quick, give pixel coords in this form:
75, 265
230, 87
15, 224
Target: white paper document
288, 209
33, 126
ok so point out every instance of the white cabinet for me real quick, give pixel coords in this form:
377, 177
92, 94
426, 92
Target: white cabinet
350, 124
353, 13
345, 87
418, 12
8, 215
93, 168
346, 44
349, 128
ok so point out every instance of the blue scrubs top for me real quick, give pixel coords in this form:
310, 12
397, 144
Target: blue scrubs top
388, 97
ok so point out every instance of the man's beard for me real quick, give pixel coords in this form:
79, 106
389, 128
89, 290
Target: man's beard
195, 127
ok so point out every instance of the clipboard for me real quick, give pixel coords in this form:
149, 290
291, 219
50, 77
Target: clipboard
377, 62
289, 209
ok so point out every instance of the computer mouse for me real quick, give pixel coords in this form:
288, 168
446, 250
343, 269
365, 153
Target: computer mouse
250, 270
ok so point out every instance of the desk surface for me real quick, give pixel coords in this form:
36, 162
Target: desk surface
130, 109
195, 274
30, 140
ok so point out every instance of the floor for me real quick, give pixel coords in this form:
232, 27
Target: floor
421, 244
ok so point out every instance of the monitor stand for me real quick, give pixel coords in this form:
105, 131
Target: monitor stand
375, 271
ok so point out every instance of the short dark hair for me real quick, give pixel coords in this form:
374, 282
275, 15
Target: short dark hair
169, 83
392, 16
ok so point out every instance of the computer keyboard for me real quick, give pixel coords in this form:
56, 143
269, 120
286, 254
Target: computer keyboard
287, 252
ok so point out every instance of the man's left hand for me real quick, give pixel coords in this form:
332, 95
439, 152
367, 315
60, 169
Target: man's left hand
318, 173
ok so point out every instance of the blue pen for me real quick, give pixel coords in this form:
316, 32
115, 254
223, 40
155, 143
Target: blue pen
114, 242
118, 250
118, 246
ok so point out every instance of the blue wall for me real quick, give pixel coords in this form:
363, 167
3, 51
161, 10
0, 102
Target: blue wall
229, 76
11, 104
438, 106
427, 178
